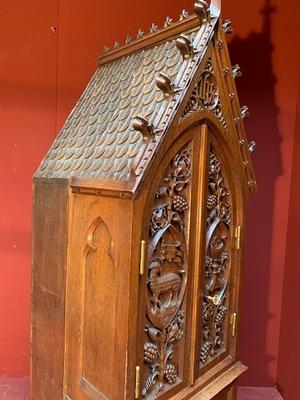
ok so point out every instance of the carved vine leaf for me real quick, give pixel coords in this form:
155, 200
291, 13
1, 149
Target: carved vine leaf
166, 281
217, 262
205, 95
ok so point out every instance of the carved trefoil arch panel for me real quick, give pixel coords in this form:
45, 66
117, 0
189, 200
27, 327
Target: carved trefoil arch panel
167, 278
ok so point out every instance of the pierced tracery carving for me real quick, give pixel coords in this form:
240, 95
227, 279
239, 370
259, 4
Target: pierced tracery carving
206, 95
167, 276
217, 263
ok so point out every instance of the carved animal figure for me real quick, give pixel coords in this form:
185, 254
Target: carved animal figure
163, 283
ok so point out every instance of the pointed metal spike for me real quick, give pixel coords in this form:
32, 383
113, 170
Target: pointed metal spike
251, 146
168, 22
184, 14
245, 112
116, 45
236, 71
140, 34
128, 39
154, 28
201, 8
227, 26
106, 49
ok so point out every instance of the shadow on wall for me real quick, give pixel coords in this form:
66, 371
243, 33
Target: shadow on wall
254, 55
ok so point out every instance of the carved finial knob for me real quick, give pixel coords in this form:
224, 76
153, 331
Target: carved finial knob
140, 34
164, 83
154, 28
168, 22
201, 8
251, 146
116, 45
236, 71
106, 49
184, 14
227, 26
185, 46
142, 125
128, 39
245, 112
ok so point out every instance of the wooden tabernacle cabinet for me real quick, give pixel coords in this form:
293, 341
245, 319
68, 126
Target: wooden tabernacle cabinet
139, 214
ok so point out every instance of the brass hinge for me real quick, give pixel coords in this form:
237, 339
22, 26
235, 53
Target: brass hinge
233, 323
237, 236
137, 389
142, 257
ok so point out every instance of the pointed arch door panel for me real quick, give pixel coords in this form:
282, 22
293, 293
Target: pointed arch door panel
221, 261
186, 296
166, 290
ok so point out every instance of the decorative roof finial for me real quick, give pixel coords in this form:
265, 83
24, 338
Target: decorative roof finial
142, 125
184, 14
140, 34
106, 49
164, 83
168, 22
116, 45
245, 112
154, 28
128, 39
236, 71
227, 26
201, 8
185, 46
251, 146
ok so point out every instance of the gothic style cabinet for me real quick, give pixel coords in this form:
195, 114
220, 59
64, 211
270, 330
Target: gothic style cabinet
139, 215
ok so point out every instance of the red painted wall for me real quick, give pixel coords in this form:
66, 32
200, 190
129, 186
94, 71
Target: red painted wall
47, 56
289, 349
264, 45
28, 62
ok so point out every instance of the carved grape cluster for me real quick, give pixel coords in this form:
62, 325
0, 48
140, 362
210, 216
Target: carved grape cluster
208, 311
170, 373
150, 352
212, 202
205, 351
180, 204
221, 314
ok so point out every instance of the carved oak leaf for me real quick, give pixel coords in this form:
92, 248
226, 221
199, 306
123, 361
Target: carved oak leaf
163, 191
153, 334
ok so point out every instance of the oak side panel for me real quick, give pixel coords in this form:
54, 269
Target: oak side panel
50, 213
97, 308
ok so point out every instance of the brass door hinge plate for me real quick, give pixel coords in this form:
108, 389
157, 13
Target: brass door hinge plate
142, 257
237, 236
137, 390
233, 323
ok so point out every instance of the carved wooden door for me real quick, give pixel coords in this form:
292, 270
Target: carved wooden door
221, 258
185, 294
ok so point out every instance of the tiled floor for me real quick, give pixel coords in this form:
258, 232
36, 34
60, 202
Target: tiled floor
249, 393
14, 389
17, 389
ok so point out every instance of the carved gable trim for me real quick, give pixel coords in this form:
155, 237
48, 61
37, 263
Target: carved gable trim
206, 95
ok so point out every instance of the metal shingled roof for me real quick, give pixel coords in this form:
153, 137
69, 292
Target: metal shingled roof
97, 140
